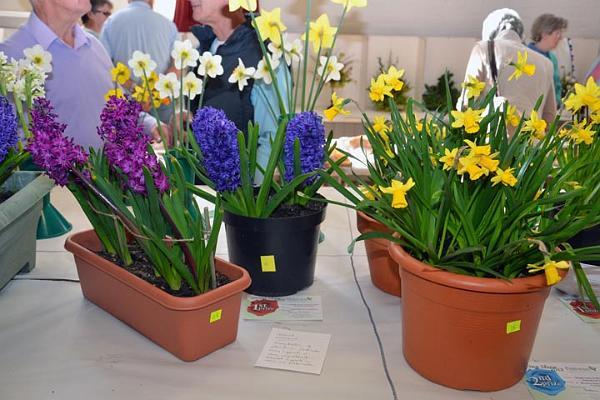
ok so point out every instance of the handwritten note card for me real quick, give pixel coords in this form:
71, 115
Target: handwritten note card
294, 351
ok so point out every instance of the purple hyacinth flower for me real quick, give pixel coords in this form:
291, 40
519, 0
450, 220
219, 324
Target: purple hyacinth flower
126, 145
217, 137
308, 128
49, 148
8, 127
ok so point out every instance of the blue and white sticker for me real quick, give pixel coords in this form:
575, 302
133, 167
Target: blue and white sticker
545, 381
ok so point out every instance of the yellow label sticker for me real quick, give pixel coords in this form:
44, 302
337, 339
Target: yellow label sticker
267, 263
513, 326
215, 315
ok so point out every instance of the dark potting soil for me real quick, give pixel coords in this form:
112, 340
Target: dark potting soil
294, 210
142, 268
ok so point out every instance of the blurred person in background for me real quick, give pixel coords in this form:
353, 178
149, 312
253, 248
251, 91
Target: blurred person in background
492, 62
94, 20
546, 32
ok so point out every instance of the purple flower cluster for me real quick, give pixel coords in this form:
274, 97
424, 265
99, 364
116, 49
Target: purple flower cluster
308, 128
49, 149
126, 145
8, 127
217, 137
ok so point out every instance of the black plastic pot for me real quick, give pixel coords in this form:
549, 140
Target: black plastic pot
586, 238
278, 253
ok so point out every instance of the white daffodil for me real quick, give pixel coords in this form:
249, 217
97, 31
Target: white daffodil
296, 49
332, 71
15, 74
168, 86
184, 54
39, 58
210, 65
283, 49
241, 74
192, 85
141, 64
3, 58
262, 70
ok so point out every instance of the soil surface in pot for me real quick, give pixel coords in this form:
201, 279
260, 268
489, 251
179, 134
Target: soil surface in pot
294, 210
143, 269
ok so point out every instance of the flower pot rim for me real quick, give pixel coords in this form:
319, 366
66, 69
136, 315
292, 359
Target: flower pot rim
363, 226
425, 271
276, 223
74, 244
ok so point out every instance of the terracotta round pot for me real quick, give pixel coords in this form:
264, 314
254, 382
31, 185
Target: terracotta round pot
384, 270
466, 332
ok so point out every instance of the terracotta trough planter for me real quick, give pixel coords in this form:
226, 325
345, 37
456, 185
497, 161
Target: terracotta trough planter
384, 270
466, 332
189, 328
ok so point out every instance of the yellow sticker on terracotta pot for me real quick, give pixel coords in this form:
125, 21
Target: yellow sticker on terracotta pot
267, 263
513, 326
215, 315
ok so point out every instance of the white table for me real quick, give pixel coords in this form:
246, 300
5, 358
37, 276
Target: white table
54, 344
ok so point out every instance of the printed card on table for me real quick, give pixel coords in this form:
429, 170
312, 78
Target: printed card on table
563, 381
294, 351
583, 309
290, 308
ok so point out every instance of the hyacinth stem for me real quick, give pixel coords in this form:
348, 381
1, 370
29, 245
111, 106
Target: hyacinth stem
189, 259
130, 225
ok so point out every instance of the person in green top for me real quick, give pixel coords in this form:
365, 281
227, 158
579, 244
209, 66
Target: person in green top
546, 32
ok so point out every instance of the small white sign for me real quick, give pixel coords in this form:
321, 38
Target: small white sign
294, 351
290, 308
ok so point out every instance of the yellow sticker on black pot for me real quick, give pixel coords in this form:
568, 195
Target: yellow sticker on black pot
267, 263
215, 315
513, 326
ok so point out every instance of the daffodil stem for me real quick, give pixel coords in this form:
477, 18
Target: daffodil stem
312, 85
180, 103
305, 68
322, 78
296, 87
268, 61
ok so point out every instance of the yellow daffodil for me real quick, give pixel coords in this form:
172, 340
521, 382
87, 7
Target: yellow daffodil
392, 78
550, 268
336, 108
488, 163
351, 3
380, 124
320, 33
469, 165
473, 86
120, 74
270, 26
521, 66
468, 119
398, 191
157, 101
505, 177
114, 93
595, 117
369, 192
140, 94
581, 133
379, 89
432, 156
151, 80
248, 5
574, 184
588, 95
538, 193
448, 158
535, 125
512, 116
477, 150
